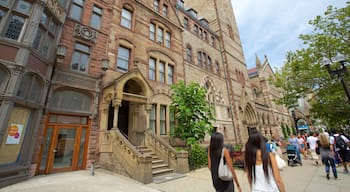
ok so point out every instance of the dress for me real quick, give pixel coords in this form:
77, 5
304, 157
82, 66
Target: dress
261, 184
219, 184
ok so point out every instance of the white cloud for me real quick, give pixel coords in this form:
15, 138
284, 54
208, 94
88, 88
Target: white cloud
272, 27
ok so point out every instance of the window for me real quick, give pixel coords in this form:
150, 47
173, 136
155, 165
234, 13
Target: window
170, 75
152, 69
205, 36
126, 18
201, 33
160, 36
152, 119
209, 64
172, 121
212, 42
199, 58
217, 67
45, 35
185, 23
167, 39
2, 14
96, 16
204, 59
180, 3
4, 2
67, 100
165, 10
14, 28
189, 54
76, 9
123, 59
195, 29
30, 88
152, 31
161, 72
3, 77
162, 119
156, 5
80, 59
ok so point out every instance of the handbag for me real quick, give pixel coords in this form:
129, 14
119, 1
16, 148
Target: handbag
280, 162
224, 171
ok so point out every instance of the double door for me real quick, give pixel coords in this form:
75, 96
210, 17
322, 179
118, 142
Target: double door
64, 148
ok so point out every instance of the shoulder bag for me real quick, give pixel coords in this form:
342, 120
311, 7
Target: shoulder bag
224, 171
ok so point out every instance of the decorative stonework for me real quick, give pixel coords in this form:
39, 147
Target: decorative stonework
85, 33
56, 9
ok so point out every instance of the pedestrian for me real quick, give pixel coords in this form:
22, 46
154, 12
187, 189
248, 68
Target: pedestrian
302, 144
327, 154
261, 166
294, 141
214, 155
312, 141
344, 152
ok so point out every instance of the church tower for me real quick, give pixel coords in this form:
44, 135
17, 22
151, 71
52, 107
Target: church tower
221, 19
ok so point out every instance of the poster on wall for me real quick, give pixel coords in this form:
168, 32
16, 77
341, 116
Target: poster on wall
14, 133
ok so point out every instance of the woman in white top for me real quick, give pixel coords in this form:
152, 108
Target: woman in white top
261, 166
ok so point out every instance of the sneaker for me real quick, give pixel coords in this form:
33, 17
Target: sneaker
335, 176
328, 176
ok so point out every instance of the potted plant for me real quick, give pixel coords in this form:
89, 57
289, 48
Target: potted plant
238, 155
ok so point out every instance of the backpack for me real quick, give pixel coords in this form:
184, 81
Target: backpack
340, 143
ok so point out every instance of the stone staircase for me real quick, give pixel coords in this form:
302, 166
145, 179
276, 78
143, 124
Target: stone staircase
159, 167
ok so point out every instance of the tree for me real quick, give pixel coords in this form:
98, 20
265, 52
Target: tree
303, 75
193, 114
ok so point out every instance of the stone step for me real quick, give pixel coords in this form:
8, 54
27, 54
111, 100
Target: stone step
162, 172
159, 166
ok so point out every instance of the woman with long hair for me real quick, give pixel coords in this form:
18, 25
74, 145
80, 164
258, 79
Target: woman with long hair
327, 154
214, 155
261, 166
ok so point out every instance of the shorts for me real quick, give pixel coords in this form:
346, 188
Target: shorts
314, 156
344, 155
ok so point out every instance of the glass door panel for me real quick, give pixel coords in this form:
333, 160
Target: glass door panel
82, 147
46, 145
64, 148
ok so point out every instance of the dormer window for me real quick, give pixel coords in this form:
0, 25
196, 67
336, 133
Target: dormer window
192, 12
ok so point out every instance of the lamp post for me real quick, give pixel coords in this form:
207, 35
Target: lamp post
339, 73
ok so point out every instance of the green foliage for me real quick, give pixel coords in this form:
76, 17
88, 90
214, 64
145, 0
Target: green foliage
304, 76
193, 114
294, 131
237, 147
197, 157
284, 130
288, 130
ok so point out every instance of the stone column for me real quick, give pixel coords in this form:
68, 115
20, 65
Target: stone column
116, 105
148, 108
182, 162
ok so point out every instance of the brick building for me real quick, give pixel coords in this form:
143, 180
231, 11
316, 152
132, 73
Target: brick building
86, 81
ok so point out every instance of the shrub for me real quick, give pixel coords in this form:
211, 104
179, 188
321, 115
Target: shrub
197, 157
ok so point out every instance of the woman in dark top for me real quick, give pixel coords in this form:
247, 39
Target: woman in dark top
214, 156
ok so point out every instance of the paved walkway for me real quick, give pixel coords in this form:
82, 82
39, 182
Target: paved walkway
308, 178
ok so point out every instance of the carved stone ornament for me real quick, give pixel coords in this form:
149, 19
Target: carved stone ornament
85, 33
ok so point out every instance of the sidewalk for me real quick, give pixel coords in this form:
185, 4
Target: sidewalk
308, 178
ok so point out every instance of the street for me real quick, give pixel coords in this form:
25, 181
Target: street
308, 178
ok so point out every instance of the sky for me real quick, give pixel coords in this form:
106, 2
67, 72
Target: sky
272, 27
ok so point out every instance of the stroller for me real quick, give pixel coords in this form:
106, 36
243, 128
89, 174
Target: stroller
292, 156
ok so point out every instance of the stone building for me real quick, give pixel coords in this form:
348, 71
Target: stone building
270, 115
86, 81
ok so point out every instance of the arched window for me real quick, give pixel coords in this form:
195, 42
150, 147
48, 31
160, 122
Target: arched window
68, 100
3, 79
30, 88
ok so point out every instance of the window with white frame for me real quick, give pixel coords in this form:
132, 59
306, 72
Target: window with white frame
30, 88
156, 5
80, 59
123, 59
152, 69
162, 119
152, 119
161, 72
126, 18
96, 17
163, 36
46, 34
152, 28
160, 35
76, 10
165, 10
167, 39
18, 13
170, 79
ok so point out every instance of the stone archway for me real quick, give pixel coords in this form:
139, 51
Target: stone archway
125, 103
